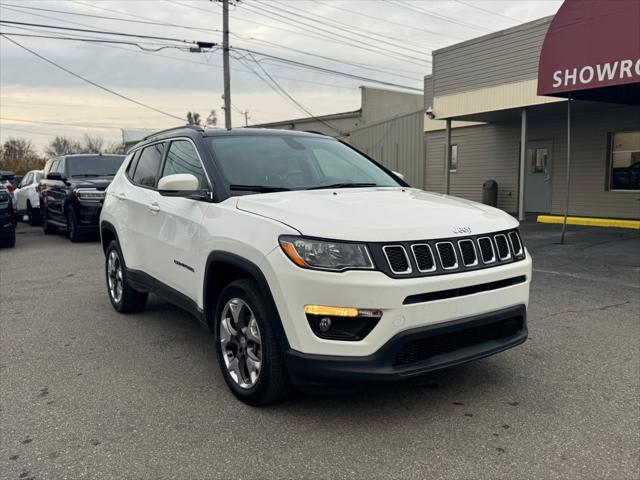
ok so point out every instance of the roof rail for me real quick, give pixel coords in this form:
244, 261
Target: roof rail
316, 132
191, 126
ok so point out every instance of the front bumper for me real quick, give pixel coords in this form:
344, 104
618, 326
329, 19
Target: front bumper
293, 288
416, 351
88, 215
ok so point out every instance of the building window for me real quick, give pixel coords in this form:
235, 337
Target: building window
453, 163
624, 160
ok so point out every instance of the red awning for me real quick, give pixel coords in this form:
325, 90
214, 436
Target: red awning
593, 47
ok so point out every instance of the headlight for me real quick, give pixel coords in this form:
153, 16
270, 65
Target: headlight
326, 254
90, 194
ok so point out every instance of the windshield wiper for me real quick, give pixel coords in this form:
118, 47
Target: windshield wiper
344, 185
258, 188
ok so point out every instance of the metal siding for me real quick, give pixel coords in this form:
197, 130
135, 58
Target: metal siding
491, 151
511, 56
403, 135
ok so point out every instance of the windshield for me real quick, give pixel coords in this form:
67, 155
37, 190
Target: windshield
94, 165
287, 162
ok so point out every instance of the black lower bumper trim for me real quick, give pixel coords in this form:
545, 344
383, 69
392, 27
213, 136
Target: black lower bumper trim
493, 332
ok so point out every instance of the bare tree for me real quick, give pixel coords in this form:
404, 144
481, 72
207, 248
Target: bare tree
117, 148
19, 156
212, 119
62, 146
193, 118
91, 144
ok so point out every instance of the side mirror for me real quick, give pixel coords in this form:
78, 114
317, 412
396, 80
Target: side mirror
55, 176
178, 185
398, 174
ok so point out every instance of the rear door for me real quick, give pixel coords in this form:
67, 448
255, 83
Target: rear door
177, 225
21, 194
141, 200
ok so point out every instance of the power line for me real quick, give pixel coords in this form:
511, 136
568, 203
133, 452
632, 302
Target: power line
343, 27
90, 82
323, 69
92, 40
489, 11
428, 13
64, 124
376, 48
283, 93
27, 131
104, 17
103, 32
391, 22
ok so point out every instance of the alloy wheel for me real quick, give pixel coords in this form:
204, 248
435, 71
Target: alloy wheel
114, 276
241, 343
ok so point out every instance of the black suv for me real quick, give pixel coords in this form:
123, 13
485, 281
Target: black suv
7, 219
72, 192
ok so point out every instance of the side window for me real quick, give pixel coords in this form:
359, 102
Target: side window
60, 166
54, 166
26, 180
146, 173
131, 168
182, 157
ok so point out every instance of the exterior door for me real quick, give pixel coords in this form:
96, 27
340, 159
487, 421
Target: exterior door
538, 177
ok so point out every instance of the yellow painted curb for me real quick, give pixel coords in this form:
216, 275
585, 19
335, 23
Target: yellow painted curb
591, 222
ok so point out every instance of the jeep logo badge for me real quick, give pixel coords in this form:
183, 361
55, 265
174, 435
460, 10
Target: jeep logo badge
462, 230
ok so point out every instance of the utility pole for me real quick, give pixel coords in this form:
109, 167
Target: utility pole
246, 118
225, 64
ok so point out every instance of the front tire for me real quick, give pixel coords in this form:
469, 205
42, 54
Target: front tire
11, 241
72, 226
33, 214
47, 228
123, 297
250, 358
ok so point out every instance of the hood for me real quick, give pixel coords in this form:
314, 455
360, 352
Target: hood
99, 183
377, 214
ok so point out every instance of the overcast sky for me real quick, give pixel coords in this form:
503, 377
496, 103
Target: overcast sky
386, 40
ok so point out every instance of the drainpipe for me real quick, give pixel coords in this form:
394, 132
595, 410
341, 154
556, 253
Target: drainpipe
523, 164
447, 156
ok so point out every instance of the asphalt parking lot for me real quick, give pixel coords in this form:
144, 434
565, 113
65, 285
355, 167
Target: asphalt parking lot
88, 393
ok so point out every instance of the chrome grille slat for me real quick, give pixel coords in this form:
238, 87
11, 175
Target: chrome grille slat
504, 253
447, 255
422, 254
468, 252
397, 259
516, 244
488, 255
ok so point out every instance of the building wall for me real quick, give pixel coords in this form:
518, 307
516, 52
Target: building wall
491, 151
503, 57
379, 104
397, 144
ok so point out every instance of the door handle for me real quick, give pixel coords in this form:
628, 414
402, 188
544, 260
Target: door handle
154, 207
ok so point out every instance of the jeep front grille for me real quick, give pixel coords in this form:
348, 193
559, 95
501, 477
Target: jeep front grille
418, 258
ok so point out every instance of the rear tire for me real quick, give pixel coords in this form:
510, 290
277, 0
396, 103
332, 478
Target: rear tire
246, 339
46, 227
72, 226
123, 297
33, 214
11, 241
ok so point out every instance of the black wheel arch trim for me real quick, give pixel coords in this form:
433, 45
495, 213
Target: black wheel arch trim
258, 276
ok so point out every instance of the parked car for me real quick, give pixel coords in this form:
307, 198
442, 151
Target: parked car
72, 192
27, 196
7, 179
312, 264
7, 219
626, 178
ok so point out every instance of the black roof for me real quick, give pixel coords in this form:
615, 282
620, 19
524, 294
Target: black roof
188, 130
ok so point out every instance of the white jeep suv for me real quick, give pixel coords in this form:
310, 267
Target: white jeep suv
312, 265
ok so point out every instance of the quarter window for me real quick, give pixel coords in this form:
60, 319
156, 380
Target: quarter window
146, 173
182, 157
624, 160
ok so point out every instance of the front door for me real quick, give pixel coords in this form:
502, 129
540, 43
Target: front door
538, 177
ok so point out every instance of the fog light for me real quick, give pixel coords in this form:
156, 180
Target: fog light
324, 324
341, 323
